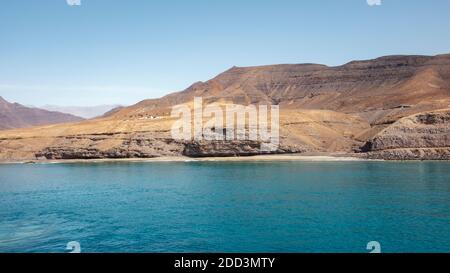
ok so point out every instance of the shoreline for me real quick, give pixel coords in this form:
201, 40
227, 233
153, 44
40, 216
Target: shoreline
256, 158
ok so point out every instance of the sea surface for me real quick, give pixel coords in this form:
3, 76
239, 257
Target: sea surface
226, 206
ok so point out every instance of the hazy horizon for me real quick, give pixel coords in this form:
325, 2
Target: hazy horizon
122, 52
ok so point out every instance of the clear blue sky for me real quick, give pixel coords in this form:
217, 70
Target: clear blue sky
123, 51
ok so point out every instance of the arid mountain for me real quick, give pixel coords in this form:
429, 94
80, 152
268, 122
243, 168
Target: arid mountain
323, 109
14, 115
378, 87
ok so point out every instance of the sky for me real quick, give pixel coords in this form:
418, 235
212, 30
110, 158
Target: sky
121, 52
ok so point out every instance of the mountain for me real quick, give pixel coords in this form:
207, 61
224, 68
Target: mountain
14, 115
86, 112
375, 87
393, 107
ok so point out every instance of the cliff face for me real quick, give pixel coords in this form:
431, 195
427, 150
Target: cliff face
422, 136
383, 108
301, 131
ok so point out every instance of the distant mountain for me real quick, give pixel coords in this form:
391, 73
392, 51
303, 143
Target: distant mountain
82, 111
113, 111
14, 115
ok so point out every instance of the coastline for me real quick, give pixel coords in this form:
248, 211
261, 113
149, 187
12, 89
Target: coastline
256, 158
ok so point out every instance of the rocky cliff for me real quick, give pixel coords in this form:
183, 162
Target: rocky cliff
422, 136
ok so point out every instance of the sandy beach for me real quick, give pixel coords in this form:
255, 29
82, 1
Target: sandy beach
261, 158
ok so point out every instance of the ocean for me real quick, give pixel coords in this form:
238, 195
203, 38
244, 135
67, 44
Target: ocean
235, 207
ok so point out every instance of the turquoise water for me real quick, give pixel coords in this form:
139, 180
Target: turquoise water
226, 207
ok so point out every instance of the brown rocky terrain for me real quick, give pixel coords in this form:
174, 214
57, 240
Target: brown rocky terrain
391, 107
14, 115
420, 136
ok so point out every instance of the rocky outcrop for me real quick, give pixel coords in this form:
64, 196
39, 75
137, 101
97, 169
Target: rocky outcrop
232, 148
154, 147
111, 146
411, 154
424, 136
